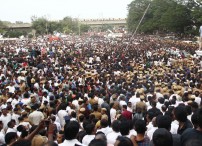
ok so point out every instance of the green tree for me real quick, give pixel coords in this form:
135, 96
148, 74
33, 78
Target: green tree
84, 28
164, 15
40, 25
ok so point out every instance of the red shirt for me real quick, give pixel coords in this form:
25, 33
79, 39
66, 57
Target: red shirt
127, 114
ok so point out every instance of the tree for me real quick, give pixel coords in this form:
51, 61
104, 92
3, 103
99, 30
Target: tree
40, 25
84, 28
164, 15
2, 27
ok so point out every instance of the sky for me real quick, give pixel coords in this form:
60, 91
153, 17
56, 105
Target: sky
23, 10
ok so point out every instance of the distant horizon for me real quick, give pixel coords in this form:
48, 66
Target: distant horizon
23, 10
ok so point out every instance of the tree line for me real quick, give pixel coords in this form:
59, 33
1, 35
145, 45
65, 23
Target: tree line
165, 16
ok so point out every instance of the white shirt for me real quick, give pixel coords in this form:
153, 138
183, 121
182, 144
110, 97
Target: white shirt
87, 139
149, 126
151, 132
11, 130
14, 102
15, 117
36, 117
2, 138
112, 136
132, 132
26, 124
61, 115
174, 127
70, 143
112, 114
198, 100
106, 130
5, 119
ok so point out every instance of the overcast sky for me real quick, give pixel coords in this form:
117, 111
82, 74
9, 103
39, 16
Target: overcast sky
22, 10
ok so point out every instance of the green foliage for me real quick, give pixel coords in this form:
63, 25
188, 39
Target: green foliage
177, 16
66, 25
15, 34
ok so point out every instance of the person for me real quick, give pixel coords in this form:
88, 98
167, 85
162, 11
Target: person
141, 139
112, 136
70, 132
36, 116
181, 116
165, 122
123, 141
162, 137
192, 133
97, 142
200, 38
90, 131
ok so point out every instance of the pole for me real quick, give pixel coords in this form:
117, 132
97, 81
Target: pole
139, 24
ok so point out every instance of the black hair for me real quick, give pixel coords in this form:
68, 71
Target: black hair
188, 109
23, 142
194, 119
71, 130
124, 128
164, 122
180, 114
98, 142
10, 136
81, 135
73, 114
104, 123
124, 141
100, 135
162, 137
140, 126
89, 128
116, 126
200, 118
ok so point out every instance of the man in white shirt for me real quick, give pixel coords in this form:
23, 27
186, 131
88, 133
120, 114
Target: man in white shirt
71, 130
112, 136
2, 134
36, 116
104, 127
5, 117
61, 114
90, 130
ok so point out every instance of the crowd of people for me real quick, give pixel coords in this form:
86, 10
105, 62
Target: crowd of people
96, 91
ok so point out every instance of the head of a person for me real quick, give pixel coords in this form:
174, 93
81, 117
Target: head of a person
116, 126
10, 137
124, 128
90, 128
180, 114
71, 130
101, 135
11, 124
164, 122
123, 141
140, 126
104, 123
98, 142
162, 137
60, 137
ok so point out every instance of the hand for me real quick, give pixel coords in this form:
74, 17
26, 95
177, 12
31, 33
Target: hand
51, 128
133, 139
41, 125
